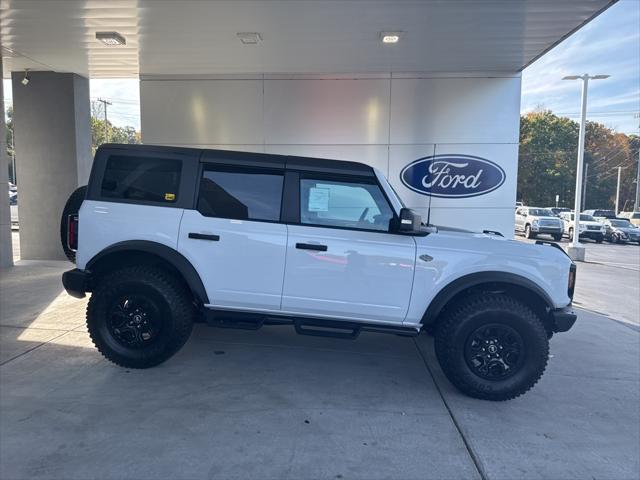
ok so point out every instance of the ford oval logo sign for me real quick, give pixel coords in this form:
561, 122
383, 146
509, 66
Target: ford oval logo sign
452, 176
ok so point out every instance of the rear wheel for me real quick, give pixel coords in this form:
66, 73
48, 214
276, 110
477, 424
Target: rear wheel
138, 317
492, 347
74, 202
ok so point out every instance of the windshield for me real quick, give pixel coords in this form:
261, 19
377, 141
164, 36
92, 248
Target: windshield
584, 218
621, 223
540, 212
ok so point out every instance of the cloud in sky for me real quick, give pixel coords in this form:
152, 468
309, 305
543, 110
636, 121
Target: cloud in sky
610, 44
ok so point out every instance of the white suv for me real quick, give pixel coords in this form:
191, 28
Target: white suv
168, 236
588, 226
534, 221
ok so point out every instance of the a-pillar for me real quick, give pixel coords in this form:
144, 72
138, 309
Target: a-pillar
52, 128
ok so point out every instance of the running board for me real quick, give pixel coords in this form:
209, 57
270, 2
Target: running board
316, 327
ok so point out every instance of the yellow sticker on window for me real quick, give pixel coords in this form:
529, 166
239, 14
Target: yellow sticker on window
170, 196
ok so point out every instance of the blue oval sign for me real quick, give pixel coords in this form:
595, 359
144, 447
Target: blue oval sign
452, 176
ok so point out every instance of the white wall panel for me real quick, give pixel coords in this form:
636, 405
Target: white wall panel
374, 155
190, 112
383, 122
455, 110
326, 111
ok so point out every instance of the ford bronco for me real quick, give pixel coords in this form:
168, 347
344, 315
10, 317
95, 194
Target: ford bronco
163, 237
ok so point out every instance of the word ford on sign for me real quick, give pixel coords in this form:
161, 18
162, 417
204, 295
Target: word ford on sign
452, 176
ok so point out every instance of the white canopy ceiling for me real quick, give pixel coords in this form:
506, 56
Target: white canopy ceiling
298, 36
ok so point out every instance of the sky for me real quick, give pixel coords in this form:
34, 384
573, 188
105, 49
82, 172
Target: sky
610, 44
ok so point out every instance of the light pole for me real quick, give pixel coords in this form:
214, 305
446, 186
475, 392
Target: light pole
618, 191
576, 251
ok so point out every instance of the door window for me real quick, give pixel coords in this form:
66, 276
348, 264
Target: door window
344, 205
242, 195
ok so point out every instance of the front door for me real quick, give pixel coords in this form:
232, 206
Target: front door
341, 259
234, 238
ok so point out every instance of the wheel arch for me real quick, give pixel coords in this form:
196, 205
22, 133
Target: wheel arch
143, 251
516, 285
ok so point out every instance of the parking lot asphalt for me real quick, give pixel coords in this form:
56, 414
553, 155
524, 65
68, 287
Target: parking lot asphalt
608, 281
271, 404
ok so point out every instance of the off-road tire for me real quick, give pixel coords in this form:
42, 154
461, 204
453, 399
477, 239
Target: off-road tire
528, 233
74, 202
456, 326
174, 304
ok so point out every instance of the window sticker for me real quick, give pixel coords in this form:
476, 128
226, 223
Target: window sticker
170, 197
318, 200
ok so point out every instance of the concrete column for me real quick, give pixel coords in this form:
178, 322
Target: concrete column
52, 127
6, 251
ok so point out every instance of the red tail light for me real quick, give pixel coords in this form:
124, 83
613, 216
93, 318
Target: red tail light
72, 232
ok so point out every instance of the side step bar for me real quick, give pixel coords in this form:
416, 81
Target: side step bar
316, 327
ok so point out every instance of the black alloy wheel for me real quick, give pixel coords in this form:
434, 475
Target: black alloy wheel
495, 351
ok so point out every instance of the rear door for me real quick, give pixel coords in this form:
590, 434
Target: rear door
235, 239
341, 259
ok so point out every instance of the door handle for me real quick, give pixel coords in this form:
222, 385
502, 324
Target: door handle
204, 236
311, 246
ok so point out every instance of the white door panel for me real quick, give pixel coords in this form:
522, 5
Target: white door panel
245, 267
363, 275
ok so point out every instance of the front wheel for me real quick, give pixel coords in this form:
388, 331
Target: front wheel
571, 234
138, 317
528, 233
558, 237
599, 239
492, 347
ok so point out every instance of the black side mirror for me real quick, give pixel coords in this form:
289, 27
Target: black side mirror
408, 221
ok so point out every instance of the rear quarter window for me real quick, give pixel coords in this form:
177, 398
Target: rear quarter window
143, 179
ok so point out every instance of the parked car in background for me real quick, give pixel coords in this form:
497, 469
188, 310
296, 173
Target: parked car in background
13, 194
633, 217
620, 230
588, 226
558, 210
534, 221
600, 213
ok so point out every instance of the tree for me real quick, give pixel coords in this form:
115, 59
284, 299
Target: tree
548, 156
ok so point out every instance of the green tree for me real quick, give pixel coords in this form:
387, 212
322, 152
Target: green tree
548, 155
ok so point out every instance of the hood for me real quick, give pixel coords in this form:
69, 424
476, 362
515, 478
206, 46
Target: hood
487, 243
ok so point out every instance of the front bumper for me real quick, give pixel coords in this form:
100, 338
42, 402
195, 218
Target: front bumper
563, 318
593, 234
76, 282
548, 230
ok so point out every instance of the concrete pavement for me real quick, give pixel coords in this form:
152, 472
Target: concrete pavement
271, 404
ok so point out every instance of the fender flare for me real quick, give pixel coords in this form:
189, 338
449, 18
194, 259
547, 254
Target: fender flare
462, 283
168, 254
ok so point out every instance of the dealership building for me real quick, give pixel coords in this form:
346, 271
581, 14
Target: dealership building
427, 92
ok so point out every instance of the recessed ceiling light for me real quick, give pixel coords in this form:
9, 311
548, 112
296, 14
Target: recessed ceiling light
111, 38
249, 38
390, 37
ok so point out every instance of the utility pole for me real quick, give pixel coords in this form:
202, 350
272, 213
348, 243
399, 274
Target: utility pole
637, 204
106, 125
618, 190
584, 190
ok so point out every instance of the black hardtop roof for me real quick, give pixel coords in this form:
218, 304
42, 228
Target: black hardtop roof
246, 159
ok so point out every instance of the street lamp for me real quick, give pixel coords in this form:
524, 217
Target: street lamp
576, 251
